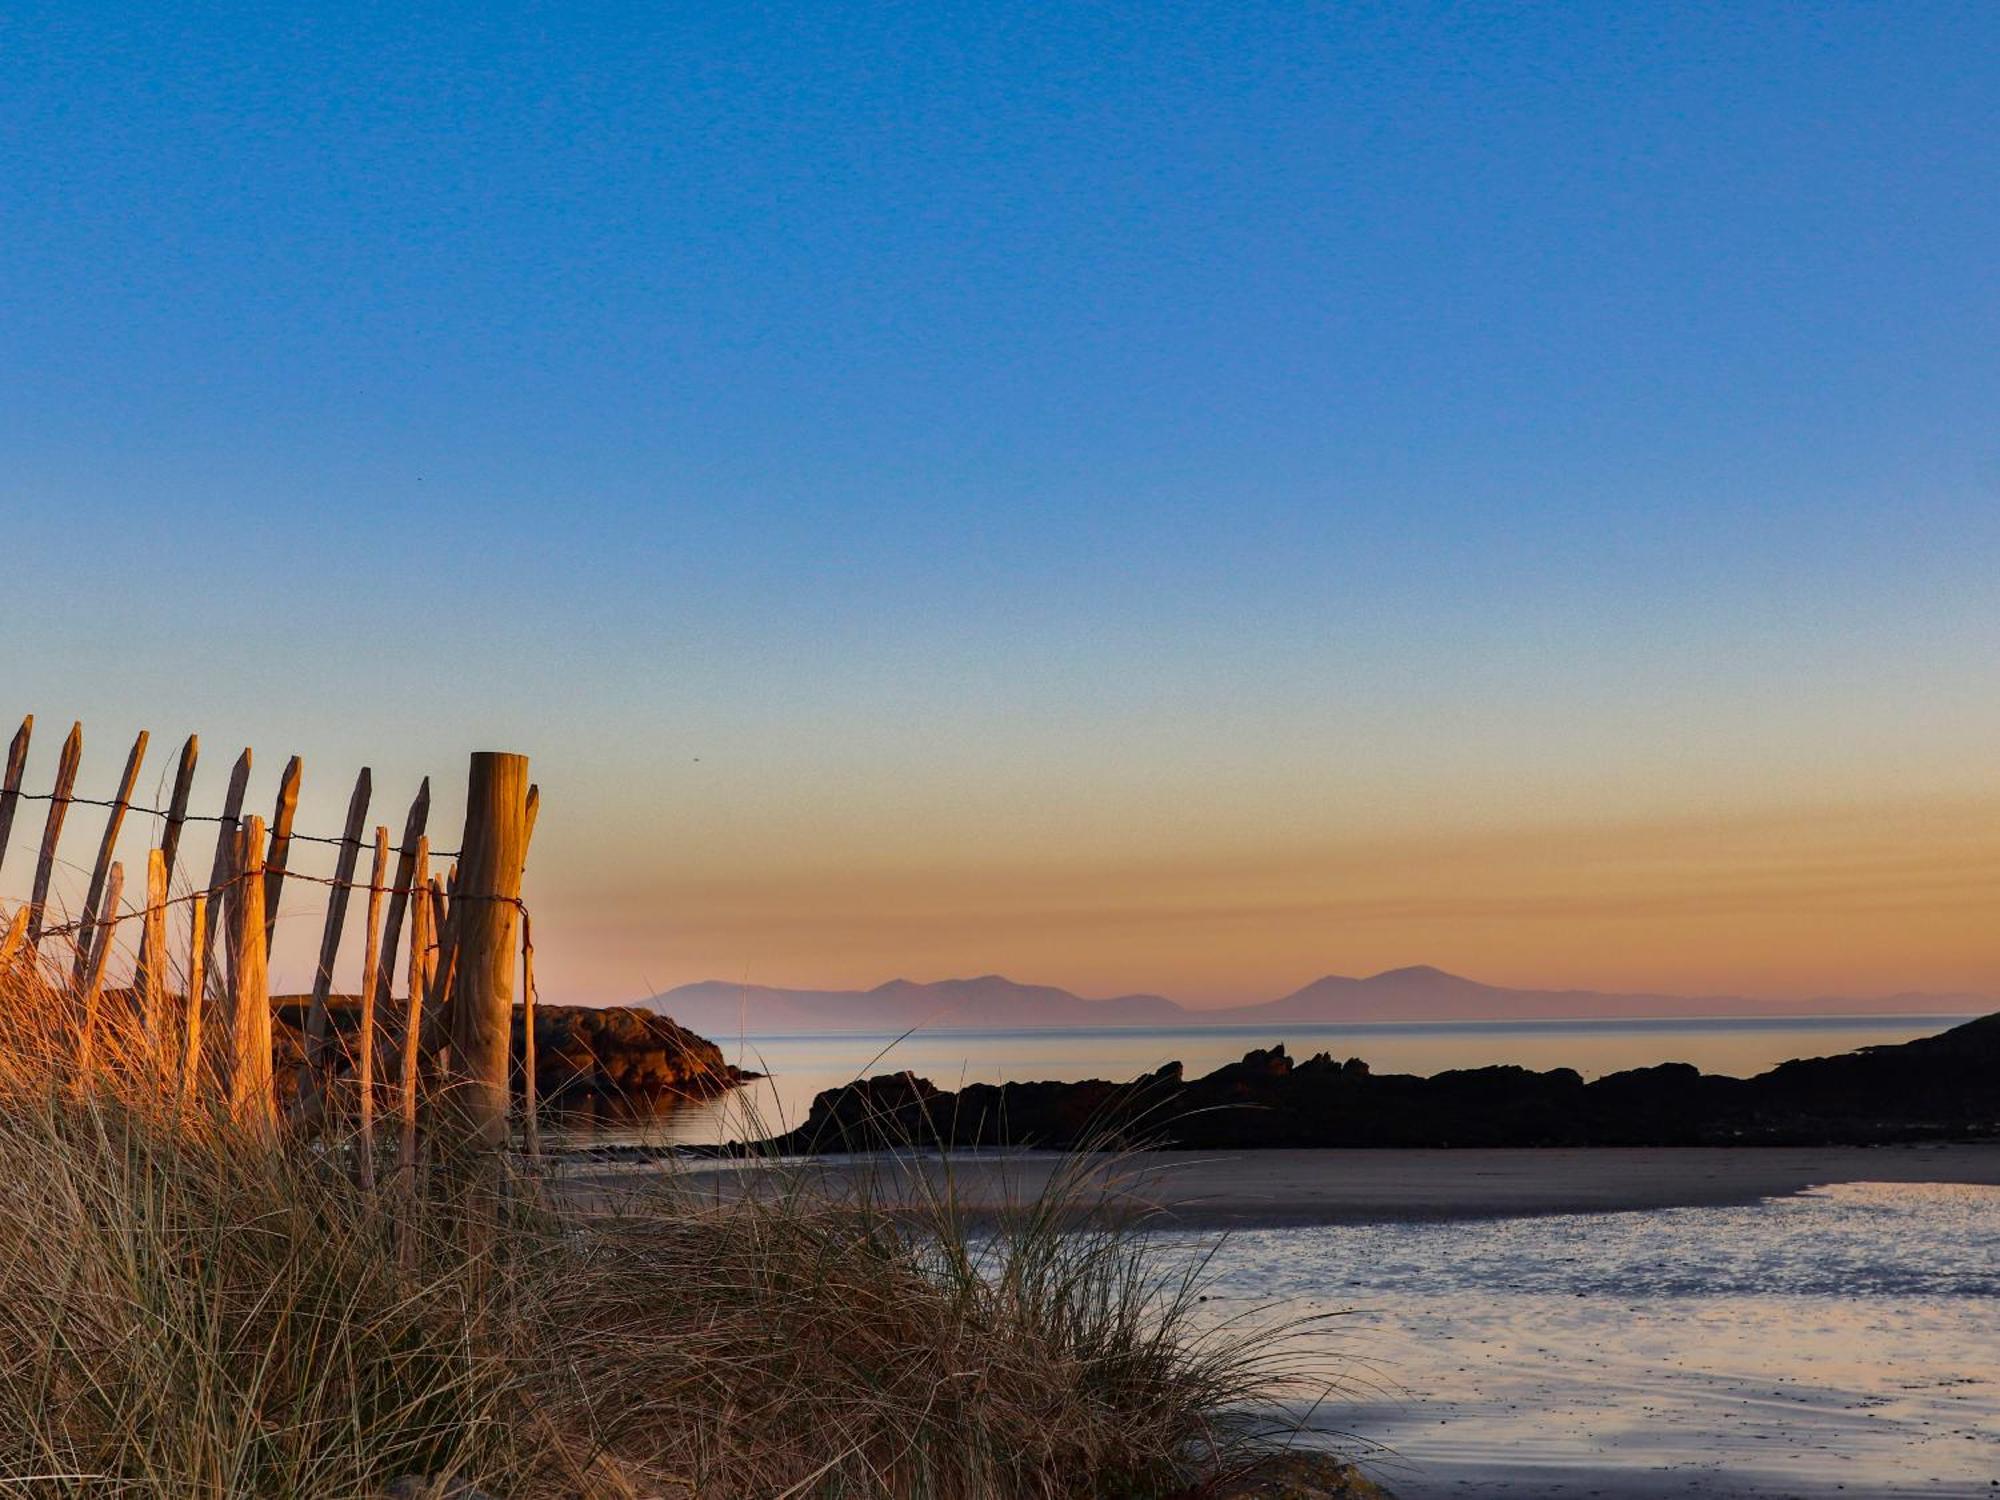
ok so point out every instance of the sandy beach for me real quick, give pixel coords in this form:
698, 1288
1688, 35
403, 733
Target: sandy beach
1270, 1189
1277, 1188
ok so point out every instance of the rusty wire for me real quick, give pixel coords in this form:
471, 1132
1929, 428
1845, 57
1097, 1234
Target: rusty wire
161, 812
72, 928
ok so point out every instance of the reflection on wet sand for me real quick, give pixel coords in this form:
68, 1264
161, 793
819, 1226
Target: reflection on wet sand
1838, 1342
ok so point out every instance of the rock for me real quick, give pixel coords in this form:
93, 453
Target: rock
612, 1059
621, 1051
1940, 1087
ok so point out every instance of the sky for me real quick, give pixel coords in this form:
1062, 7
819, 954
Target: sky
1136, 497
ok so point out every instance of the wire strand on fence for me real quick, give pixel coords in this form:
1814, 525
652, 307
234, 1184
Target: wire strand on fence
161, 812
71, 929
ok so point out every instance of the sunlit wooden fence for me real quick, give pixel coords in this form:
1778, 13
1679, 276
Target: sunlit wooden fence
451, 924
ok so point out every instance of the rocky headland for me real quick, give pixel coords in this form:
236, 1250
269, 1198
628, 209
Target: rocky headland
1943, 1087
614, 1060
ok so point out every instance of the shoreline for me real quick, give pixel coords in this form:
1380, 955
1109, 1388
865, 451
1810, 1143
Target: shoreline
1285, 1187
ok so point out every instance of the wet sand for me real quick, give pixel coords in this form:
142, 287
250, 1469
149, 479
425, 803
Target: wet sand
1276, 1188
1261, 1189
1838, 1342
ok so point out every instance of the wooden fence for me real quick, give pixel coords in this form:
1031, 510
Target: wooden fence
450, 923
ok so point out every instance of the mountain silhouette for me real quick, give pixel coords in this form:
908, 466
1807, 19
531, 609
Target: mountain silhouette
718, 1008
1416, 994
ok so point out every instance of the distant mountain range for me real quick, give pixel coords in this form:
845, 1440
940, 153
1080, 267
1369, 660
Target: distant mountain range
717, 1008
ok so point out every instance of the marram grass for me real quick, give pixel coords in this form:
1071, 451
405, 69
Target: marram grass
186, 1311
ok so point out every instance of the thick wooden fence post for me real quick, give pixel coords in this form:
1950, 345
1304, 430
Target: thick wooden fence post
251, 1100
45, 864
87, 932
485, 918
10, 788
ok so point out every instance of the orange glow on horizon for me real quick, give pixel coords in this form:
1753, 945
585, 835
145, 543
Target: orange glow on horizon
1831, 900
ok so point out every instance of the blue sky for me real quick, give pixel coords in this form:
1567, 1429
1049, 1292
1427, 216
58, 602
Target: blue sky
937, 418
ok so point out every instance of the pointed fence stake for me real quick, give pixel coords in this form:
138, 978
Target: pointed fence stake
12, 943
530, 1104
197, 999
153, 958
281, 845
170, 840
10, 788
312, 1068
399, 903
531, 1126
371, 978
225, 843
45, 863
177, 805
93, 981
438, 971
87, 933
250, 1097
413, 1021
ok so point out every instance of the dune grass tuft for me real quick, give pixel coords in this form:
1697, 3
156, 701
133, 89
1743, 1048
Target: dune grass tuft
188, 1311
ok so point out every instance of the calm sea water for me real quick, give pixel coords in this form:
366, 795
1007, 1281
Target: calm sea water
1842, 1342
801, 1066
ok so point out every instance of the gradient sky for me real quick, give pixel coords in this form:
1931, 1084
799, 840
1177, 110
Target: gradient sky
1133, 497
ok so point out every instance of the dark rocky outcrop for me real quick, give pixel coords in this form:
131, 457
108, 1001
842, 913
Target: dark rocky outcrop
621, 1052
1940, 1087
611, 1059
